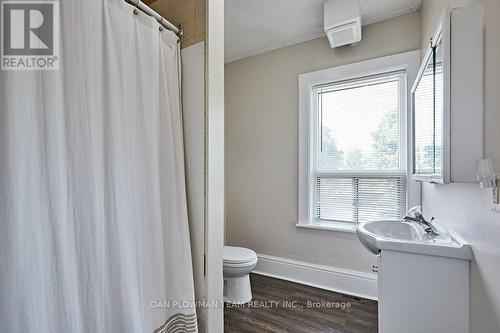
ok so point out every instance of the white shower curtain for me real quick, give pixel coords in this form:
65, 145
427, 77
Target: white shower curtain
93, 218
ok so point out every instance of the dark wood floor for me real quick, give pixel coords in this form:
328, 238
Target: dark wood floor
282, 306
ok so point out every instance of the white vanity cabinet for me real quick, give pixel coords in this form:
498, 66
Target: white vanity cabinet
422, 293
447, 100
423, 277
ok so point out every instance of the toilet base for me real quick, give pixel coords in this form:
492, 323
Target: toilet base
237, 289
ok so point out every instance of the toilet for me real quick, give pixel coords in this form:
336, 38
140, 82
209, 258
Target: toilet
238, 262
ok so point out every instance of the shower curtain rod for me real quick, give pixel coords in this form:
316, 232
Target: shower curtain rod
163, 21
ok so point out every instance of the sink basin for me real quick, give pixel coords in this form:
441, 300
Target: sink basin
410, 237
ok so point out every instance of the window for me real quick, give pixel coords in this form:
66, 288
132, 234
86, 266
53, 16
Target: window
358, 171
356, 168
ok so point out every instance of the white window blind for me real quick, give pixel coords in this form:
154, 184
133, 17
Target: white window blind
357, 149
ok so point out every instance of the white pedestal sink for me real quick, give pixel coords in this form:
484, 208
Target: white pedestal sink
423, 280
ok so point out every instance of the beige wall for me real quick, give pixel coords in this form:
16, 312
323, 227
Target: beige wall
261, 122
466, 208
190, 13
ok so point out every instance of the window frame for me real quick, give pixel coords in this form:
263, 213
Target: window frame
408, 62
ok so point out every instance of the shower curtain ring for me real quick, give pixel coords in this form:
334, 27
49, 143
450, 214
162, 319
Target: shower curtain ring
136, 12
161, 28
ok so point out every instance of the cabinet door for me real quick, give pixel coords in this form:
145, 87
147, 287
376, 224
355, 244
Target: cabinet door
379, 284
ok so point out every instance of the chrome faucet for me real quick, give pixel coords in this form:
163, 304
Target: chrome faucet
415, 215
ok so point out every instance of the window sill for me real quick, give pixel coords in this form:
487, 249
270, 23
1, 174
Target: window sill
331, 226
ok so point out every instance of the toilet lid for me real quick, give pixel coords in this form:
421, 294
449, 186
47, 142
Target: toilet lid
232, 254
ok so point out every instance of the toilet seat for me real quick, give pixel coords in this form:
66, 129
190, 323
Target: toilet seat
233, 256
240, 265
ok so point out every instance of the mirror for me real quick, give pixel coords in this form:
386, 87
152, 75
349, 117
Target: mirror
438, 106
427, 99
423, 106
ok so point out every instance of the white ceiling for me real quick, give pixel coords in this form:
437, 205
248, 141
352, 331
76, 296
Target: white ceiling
257, 26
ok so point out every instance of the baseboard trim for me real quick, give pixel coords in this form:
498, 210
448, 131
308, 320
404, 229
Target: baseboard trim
340, 280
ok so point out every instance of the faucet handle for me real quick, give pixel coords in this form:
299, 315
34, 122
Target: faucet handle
415, 211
